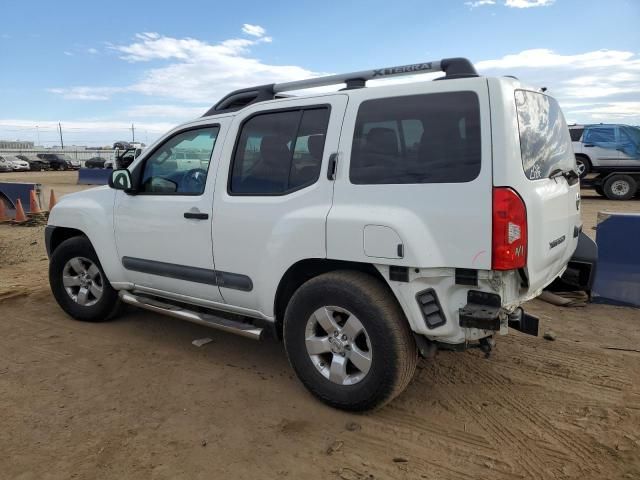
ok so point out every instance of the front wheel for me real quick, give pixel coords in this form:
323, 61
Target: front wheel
79, 283
620, 187
583, 166
348, 340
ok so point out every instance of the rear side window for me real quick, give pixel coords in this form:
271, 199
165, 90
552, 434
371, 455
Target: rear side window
279, 152
545, 143
576, 133
432, 138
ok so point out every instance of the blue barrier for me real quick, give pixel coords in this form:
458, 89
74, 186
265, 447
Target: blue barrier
94, 176
10, 192
618, 274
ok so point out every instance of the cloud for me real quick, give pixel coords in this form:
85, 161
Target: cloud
598, 86
68, 54
253, 30
92, 51
192, 70
528, 3
86, 93
166, 111
480, 3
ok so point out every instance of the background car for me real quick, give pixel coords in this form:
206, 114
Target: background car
5, 166
57, 161
95, 162
16, 164
606, 147
34, 162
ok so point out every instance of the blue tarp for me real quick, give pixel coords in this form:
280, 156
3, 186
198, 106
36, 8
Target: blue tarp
618, 273
94, 176
11, 191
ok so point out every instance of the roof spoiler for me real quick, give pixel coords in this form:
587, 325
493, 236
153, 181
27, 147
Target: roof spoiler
452, 67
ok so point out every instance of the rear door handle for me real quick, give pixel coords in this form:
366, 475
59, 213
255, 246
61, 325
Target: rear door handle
333, 163
589, 145
196, 215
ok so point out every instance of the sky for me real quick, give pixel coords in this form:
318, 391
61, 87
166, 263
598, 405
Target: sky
99, 67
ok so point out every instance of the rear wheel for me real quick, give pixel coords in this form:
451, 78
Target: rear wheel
348, 340
583, 166
620, 187
79, 283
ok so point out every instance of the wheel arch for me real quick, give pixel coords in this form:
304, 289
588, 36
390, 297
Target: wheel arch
586, 157
54, 236
304, 270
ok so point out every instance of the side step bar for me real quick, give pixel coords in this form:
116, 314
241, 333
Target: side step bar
208, 320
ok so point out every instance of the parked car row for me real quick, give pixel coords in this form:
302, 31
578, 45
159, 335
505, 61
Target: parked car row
10, 163
38, 162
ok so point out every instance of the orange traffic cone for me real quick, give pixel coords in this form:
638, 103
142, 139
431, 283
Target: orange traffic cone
3, 211
20, 216
33, 202
52, 200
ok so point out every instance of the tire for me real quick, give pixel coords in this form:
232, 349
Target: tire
73, 259
336, 299
584, 166
620, 187
599, 191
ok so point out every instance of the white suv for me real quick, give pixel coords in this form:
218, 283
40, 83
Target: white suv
362, 227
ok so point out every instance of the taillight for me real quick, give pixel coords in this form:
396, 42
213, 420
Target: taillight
509, 244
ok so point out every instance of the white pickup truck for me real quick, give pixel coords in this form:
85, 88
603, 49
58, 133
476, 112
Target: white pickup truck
363, 226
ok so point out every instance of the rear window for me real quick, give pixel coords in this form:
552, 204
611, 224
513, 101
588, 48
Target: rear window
432, 138
576, 133
545, 143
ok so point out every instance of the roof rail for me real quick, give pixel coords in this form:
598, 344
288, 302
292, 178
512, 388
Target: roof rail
452, 67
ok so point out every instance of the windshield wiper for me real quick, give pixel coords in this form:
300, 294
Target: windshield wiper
571, 176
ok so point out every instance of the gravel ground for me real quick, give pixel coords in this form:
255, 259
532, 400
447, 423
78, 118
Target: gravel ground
135, 399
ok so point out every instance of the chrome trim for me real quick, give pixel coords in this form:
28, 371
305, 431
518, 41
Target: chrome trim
224, 307
226, 325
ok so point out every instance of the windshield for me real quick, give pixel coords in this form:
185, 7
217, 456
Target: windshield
545, 143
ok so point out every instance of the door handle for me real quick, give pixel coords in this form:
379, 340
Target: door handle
333, 163
196, 215
589, 145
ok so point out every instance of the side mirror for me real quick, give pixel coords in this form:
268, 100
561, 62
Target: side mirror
121, 180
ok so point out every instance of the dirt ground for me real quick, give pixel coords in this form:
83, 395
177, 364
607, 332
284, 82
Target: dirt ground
134, 398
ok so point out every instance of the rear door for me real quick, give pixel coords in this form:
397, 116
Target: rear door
273, 195
552, 200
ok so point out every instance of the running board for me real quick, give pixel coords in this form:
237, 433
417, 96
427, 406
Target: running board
208, 320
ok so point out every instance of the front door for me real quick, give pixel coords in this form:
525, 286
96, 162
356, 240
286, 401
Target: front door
163, 232
600, 144
629, 147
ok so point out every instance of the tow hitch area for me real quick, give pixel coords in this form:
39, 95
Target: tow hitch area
523, 322
481, 311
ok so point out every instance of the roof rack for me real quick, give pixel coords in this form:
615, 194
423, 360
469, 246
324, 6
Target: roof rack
452, 67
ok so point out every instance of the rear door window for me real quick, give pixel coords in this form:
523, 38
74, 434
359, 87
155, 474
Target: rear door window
431, 138
545, 143
279, 152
